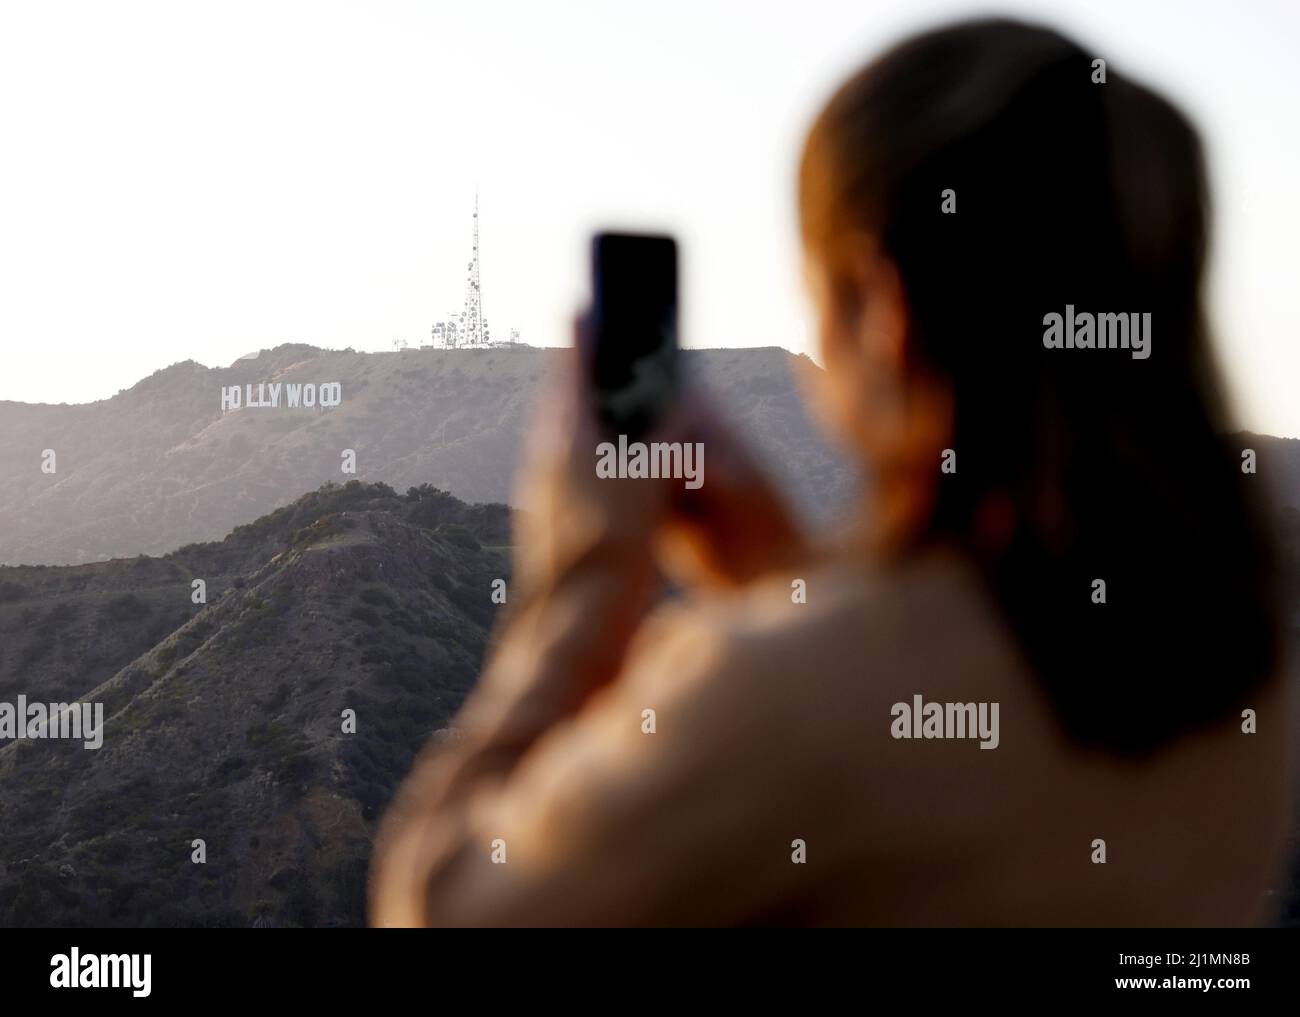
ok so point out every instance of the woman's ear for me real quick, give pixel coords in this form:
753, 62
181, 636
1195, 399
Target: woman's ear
863, 310
880, 310
873, 330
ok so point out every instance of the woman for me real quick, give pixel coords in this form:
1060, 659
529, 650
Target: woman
1057, 534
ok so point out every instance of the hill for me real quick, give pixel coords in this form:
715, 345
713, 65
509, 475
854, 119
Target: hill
224, 721
161, 465
225, 714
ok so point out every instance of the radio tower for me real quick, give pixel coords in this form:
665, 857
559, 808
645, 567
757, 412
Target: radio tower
469, 327
474, 328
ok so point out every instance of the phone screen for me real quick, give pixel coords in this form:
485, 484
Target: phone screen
631, 330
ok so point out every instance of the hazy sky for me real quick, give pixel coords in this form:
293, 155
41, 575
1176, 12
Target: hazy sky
198, 180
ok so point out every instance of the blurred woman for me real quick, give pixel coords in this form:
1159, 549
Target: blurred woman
1057, 533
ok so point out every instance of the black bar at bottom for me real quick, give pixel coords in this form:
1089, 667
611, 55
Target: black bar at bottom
377, 968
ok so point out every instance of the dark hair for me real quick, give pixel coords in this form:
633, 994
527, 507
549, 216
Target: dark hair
1091, 194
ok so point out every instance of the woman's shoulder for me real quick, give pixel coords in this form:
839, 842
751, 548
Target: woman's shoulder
863, 701
848, 604
839, 633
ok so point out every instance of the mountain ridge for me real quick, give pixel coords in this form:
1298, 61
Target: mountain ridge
230, 728
160, 465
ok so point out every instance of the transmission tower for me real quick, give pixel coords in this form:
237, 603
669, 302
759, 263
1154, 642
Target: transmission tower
469, 327
474, 330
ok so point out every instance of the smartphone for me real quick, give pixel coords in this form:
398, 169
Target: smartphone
629, 334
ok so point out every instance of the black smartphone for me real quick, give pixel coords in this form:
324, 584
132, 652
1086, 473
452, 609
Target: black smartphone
629, 335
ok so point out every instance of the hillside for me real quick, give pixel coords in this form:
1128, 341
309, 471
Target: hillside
160, 465
223, 721
224, 718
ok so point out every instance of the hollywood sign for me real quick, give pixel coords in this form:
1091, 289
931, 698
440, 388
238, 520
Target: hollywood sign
277, 394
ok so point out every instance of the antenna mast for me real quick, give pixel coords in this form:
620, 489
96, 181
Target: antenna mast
470, 327
475, 331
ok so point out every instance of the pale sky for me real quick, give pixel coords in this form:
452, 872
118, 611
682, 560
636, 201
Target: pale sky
198, 180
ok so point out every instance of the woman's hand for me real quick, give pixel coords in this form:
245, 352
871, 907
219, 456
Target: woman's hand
592, 552
585, 571
735, 526
571, 520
